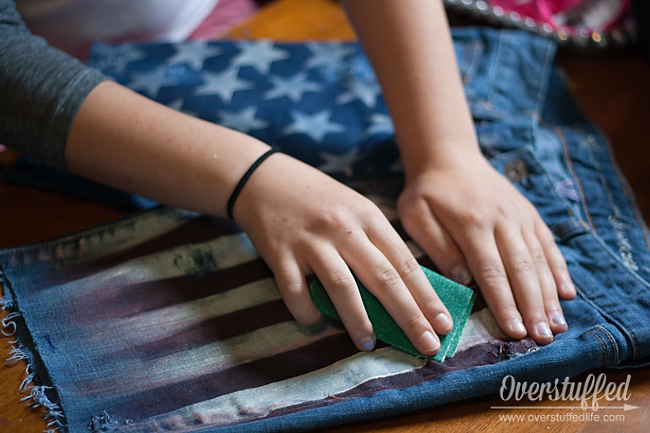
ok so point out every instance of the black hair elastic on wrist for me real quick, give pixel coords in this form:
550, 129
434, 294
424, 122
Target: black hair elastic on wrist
244, 179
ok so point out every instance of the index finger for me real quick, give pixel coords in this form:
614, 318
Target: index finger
393, 275
416, 282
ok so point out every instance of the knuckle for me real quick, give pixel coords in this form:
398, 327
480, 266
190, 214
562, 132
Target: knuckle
367, 205
493, 272
339, 222
417, 324
433, 305
473, 218
523, 266
410, 266
291, 289
390, 280
341, 280
482, 220
540, 260
334, 218
509, 213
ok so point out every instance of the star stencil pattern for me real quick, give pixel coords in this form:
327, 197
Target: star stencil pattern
319, 102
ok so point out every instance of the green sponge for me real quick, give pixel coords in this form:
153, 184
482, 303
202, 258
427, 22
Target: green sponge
457, 298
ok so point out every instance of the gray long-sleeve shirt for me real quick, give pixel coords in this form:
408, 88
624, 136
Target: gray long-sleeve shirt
41, 90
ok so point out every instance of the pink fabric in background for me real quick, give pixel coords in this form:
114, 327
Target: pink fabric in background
227, 14
539, 10
546, 11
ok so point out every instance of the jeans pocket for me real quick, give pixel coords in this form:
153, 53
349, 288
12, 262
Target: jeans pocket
527, 174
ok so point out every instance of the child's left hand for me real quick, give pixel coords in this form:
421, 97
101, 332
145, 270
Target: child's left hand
470, 220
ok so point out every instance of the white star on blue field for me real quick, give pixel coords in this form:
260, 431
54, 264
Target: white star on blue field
319, 102
131, 55
224, 84
331, 55
315, 126
292, 87
260, 55
193, 54
380, 124
340, 163
243, 121
151, 82
177, 104
365, 91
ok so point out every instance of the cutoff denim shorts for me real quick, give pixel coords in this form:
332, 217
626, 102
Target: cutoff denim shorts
169, 321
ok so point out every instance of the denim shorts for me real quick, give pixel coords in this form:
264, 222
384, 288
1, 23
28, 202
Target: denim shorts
169, 321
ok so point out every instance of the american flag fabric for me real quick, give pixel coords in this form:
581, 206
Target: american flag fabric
319, 102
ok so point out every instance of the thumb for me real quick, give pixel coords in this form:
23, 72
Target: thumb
421, 224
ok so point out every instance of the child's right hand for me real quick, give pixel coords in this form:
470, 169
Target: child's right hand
302, 221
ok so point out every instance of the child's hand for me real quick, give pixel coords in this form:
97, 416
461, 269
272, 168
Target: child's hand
472, 222
301, 221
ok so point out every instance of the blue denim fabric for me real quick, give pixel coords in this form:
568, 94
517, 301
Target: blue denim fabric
531, 131
524, 113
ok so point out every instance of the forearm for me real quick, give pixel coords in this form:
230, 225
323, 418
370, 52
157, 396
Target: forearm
410, 47
132, 143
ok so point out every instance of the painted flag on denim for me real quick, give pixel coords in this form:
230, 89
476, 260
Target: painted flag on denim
169, 320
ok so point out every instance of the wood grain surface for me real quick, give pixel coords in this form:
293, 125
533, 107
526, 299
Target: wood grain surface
613, 88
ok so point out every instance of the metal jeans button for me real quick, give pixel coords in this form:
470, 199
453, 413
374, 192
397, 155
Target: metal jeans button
516, 170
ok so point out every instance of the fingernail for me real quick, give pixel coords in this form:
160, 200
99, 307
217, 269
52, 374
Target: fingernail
518, 327
558, 319
543, 329
443, 322
429, 342
368, 343
461, 275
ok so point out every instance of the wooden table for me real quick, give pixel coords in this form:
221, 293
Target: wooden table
612, 87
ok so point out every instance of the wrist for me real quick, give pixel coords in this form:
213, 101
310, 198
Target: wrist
244, 179
421, 160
